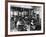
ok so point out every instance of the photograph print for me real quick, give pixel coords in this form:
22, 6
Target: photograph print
25, 18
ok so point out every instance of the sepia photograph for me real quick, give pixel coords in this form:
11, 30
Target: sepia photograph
24, 18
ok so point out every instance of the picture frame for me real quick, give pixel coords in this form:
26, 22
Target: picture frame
11, 7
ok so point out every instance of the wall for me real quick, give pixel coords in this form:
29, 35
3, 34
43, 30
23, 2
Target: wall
2, 19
